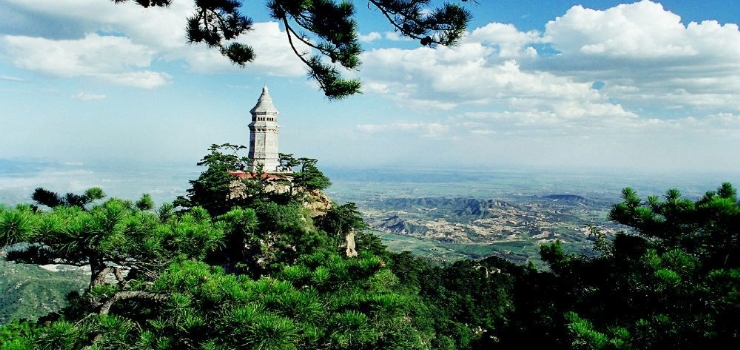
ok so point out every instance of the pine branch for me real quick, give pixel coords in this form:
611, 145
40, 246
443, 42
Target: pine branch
104, 308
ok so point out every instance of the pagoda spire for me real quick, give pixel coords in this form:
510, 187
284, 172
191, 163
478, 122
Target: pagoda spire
264, 104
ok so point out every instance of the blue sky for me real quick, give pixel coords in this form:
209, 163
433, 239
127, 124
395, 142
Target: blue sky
591, 84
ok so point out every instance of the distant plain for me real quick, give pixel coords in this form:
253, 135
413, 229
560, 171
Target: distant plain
377, 191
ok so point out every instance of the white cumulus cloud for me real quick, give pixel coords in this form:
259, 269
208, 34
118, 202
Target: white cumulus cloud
645, 62
638, 31
118, 43
506, 39
369, 37
273, 54
648, 57
112, 58
472, 74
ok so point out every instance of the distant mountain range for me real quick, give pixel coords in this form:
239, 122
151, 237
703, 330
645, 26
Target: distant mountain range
493, 225
20, 167
460, 208
570, 199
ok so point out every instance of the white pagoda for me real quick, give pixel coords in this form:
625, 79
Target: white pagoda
263, 135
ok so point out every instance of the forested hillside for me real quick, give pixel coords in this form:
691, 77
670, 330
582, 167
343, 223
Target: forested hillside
245, 266
29, 291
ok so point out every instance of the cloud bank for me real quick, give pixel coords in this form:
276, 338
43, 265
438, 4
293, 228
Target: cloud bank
120, 44
631, 68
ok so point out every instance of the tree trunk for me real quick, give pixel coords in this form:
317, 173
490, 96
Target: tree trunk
98, 270
131, 294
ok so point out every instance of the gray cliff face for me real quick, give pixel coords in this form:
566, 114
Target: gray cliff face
396, 224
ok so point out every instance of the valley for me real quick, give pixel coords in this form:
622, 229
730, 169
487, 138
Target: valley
475, 228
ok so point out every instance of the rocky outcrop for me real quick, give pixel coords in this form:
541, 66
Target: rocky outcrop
273, 183
396, 224
317, 202
350, 242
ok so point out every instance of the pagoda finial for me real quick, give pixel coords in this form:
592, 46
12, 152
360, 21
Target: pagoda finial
265, 94
264, 103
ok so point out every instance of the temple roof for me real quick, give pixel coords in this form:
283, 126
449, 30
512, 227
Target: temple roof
253, 175
264, 104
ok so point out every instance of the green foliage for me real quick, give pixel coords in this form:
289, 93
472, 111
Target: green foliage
310, 177
145, 202
263, 238
16, 225
210, 308
287, 161
17, 335
218, 191
264, 274
52, 199
108, 238
657, 287
116, 231
191, 236
239, 227
585, 337
341, 219
369, 242
444, 25
212, 188
708, 228
468, 304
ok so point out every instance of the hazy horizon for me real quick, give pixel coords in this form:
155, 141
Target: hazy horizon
165, 181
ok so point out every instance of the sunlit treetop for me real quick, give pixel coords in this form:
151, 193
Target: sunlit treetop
326, 27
